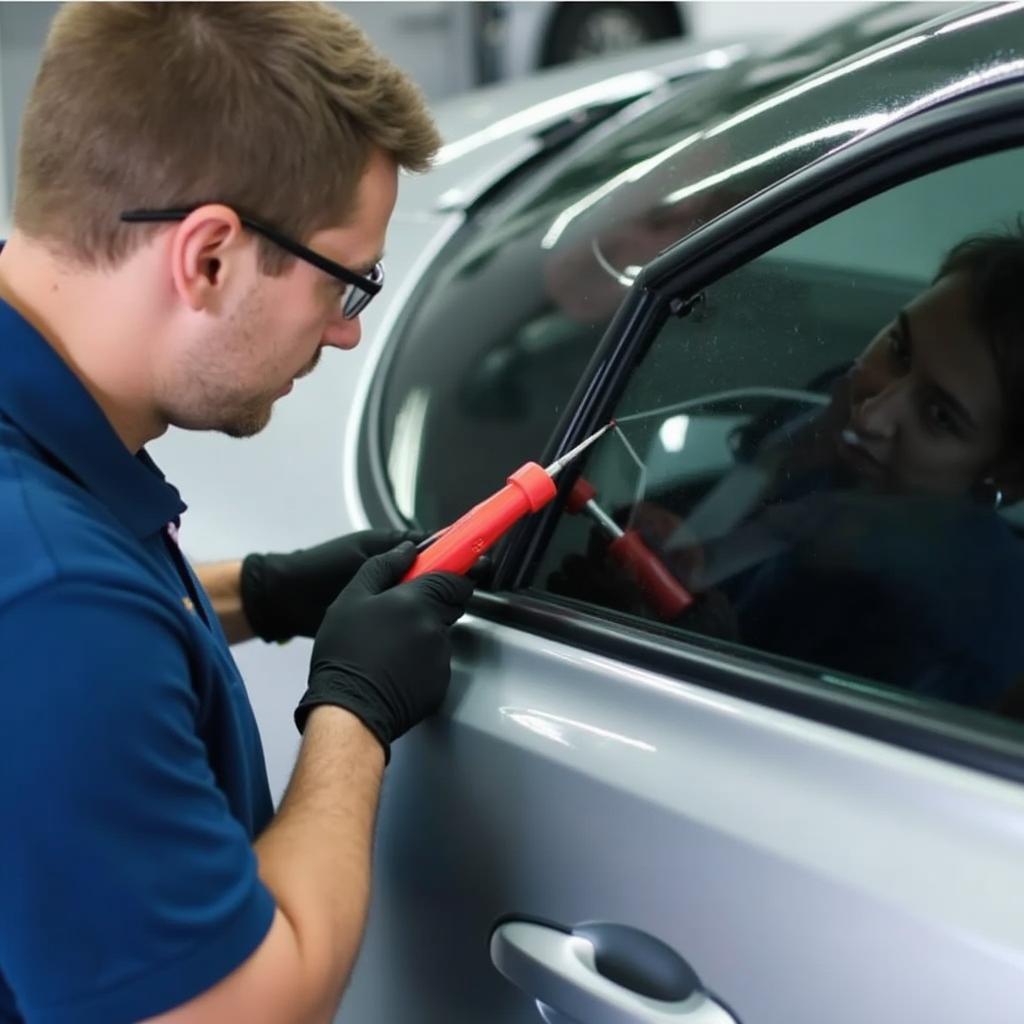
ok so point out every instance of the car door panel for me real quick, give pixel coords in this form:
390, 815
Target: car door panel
773, 853
808, 872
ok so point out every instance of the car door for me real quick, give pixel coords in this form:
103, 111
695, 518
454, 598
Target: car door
813, 843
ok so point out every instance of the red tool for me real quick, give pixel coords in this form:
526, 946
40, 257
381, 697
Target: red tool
666, 595
529, 489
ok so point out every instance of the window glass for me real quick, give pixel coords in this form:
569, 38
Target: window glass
826, 455
536, 275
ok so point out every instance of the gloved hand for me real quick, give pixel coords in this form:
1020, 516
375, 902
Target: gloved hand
383, 651
286, 595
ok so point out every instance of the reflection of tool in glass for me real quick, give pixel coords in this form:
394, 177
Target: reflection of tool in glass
660, 588
529, 489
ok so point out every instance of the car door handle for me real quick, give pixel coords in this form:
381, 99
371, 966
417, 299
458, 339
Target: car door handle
601, 973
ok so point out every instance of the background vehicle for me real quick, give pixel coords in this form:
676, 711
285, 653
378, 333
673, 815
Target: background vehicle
517, 38
451, 46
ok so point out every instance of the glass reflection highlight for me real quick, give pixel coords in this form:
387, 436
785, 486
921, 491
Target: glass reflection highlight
626, 177
856, 126
555, 728
974, 19
814, 83
622, 86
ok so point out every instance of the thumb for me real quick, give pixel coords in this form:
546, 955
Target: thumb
381, 572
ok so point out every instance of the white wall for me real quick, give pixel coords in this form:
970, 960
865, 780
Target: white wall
433, 40
428, 38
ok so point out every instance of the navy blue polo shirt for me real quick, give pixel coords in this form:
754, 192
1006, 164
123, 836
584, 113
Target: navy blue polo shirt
132, 781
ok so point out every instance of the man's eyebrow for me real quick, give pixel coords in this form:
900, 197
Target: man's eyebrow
958, 408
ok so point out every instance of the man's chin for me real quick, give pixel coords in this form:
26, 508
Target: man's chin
249, 423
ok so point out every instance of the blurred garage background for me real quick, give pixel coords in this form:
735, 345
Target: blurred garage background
453, 47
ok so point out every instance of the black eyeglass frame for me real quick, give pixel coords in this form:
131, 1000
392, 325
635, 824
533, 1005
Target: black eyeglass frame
355, 301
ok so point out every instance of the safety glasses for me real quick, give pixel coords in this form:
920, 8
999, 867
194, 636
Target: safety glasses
358, 291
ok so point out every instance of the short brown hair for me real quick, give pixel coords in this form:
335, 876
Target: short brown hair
271, 108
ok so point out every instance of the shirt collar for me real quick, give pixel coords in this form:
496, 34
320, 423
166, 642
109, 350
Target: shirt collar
39, 393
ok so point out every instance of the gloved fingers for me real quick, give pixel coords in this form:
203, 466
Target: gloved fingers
251, 585
376, 542
381, 572
448, 592
385, 540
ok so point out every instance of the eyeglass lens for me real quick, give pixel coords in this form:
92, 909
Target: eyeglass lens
356, 299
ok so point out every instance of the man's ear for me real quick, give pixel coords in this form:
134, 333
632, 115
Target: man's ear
203, 248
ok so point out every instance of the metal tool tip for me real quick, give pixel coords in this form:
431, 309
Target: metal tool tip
557, 465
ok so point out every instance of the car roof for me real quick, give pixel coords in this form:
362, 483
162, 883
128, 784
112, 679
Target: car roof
852, 98
735, 133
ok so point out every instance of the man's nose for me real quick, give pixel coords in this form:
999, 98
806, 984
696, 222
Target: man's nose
344, 333
879, 414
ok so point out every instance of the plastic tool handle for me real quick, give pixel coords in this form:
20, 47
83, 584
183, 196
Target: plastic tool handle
665, 593
528, 489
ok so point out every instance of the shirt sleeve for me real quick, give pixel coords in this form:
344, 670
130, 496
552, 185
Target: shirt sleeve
127, 886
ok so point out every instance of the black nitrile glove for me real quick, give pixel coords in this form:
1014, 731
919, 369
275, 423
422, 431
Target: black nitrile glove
383, 651
286, 595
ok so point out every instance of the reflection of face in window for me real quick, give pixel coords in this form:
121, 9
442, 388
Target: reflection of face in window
926, 408
910, 577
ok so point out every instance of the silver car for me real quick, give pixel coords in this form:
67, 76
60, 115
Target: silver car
624, 813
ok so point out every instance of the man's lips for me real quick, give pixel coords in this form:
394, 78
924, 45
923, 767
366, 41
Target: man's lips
304, 372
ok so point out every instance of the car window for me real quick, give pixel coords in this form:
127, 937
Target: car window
534, 278
823, 462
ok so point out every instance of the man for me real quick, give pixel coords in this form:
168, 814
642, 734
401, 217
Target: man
201, 203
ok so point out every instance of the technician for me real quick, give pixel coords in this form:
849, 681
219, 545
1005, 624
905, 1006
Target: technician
201, 203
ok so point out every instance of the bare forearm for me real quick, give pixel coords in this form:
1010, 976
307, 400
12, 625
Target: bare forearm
222, 583
315, 856
315, 859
